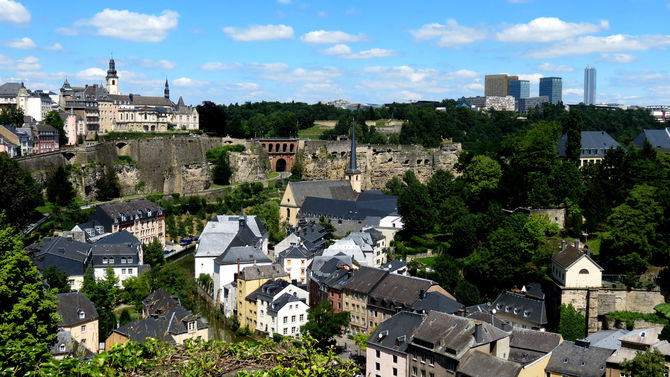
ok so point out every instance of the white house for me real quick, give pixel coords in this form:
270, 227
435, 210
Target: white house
370, 241
224, 232
231, 262
123, 259
574, 268
350, 248
267, 300
295, 260
289, 241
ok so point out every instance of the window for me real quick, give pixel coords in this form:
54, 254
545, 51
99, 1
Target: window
83, 328
82, 315
302, 317
395, 371
285, 331
104, 260
377, 366
293, 330
431, 374
130, 271
123, 271
292, 319
70, 283
285, 319
431, 360
395, 358
130, 259
377, 353
191, 326
414, 371
584, 271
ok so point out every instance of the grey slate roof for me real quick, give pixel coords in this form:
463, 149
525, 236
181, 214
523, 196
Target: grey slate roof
571, 359
110, 213
160, 302
334, 189
151, 101
69, 256
72, 348
395, 332
223, 232
600, 141
436, 301
480, 364
490, 319
115, 251
142, 329
398, 291
10, 89
270, 271
282, 301
521, 306
453, 335
659, 139
377, 206
607, 338
121, 237
528, 345
364, 280
570, 255
322, 267
295, 252
268, 289
245, 254
394, 265
70, 305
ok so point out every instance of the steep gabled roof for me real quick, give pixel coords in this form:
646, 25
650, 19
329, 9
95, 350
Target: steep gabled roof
398, 290
160, 303
243, 254
436, 301
334, 189
72, 305
69, 256
568, 256
480, 364
395, 332
270, 271
282, 301
528, 345
364, 280
659, 139
519, 305
575, 360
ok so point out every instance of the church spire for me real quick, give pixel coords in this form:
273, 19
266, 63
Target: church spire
353, 174
112, 78
166, 91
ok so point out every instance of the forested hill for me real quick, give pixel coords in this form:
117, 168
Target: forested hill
423, 124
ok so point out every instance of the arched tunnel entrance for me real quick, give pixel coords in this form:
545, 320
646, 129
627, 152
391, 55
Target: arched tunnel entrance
281, 165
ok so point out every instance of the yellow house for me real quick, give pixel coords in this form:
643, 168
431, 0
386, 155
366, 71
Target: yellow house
296, 192
79, 318
249, 280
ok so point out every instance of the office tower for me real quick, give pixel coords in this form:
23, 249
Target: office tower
590, 85
519, 89
552, 87
497, 85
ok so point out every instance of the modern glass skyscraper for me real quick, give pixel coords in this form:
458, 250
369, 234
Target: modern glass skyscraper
552, 87
519, 89
497, 85
589, 85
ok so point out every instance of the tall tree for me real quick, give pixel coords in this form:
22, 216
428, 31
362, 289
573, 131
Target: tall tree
573, 128
416, 206
56, 279
572, 324
222, 172
646, 363
104, 294
153, 253
323, 323
59, 189
108, 186
11, 116
54, 120
29, 319
19, 192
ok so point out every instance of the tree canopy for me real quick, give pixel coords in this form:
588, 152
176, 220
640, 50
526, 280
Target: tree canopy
59, 189
323, 323
108, 186
20, 193
646, 363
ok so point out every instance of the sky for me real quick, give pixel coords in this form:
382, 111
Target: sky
360, 51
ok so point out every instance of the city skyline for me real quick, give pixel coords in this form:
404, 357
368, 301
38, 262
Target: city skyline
320, 51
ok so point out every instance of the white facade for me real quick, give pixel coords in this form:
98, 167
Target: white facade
225, 274
296, 268
349, 247
383, 362
290, 240
122, 273
287, 321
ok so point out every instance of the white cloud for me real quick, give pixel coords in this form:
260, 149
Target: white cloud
217, 66
619, 58
256, 33
322, 13
343, 51
475, 86
549, 67
29, 63
164, 64
574, 91
24, 43
330, 37
55, 47
242, 86
403, 78
613, 43
187, 82
12, 11
461, 74
127, 25
282, 72
91, 74
449, 34
548, 29
534, 78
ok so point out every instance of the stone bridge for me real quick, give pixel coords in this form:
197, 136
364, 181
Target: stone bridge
281, 151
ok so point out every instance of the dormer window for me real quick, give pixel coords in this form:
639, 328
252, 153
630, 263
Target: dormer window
61, 348
191, 326
526, 313
82, 315
130, 259
105, 260
516, 310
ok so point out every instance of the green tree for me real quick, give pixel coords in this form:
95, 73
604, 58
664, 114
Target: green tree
482, 176
104, 294
361, 340
11, 116
573, 145
56, 279
54, 120
29, 319
108, 186
645, 364
296, 170
153, 253
19, 192
394, 186
467, 293
323, 323
665, 333
268, 213
222, 172
416, 206
125, 318
572, 324
59, 189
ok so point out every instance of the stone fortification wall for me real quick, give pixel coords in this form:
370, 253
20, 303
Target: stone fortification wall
378, 163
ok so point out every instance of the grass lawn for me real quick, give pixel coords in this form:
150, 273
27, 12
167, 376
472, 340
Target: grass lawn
594, 243
429, 261
313, 132
273, 174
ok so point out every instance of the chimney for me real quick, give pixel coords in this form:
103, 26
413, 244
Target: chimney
422, 293
238, 266
582, 343
461, 312
577, 244
587, 250
478, 332
563, 245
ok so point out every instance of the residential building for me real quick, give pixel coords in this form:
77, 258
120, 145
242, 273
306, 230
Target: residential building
659, 139
68, 256
223, 232
574, 268
123, 259
144, 219
350, 248
532, 350
498, 85
386, 352
638, 340
291, 240
439, 345
525, 104
66, 346
229, 265
294, 261
8, 148
79, 317
473, 103
249, 279
47, 139
577, 359
21, 137
476, 363
589, 85
164, 319
281, 307
552, 87
519, 89
396, 267
436, 301
607, 338
356, 288
10, 92
321, 270
523, 308
594, 146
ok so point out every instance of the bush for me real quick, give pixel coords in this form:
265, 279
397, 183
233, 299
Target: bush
243, 331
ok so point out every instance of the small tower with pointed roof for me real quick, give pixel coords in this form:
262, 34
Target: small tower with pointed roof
112, 78
353, 174
166, 91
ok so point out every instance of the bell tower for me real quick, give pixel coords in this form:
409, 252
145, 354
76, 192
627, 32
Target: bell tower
112, 78
166, 91
353, 174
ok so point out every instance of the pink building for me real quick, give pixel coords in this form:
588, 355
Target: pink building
386, 354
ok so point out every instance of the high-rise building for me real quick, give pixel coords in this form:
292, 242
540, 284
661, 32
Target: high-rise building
519, 89
497, 85
552, 87
589, 85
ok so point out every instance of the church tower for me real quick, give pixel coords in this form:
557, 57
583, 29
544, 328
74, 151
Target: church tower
112, 78
353, 174
166, 91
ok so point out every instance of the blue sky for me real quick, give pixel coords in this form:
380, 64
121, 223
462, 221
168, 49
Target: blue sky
370, 52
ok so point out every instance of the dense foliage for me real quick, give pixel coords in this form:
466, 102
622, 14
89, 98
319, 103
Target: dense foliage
54, 120
153, 253
572, 324
108, 186
105, 296
646, 363
19, 192
323, 323
11, 116
59, 189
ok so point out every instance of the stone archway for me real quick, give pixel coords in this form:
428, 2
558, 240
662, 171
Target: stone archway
280, 165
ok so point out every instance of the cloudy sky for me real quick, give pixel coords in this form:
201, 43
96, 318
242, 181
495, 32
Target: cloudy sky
372, 51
